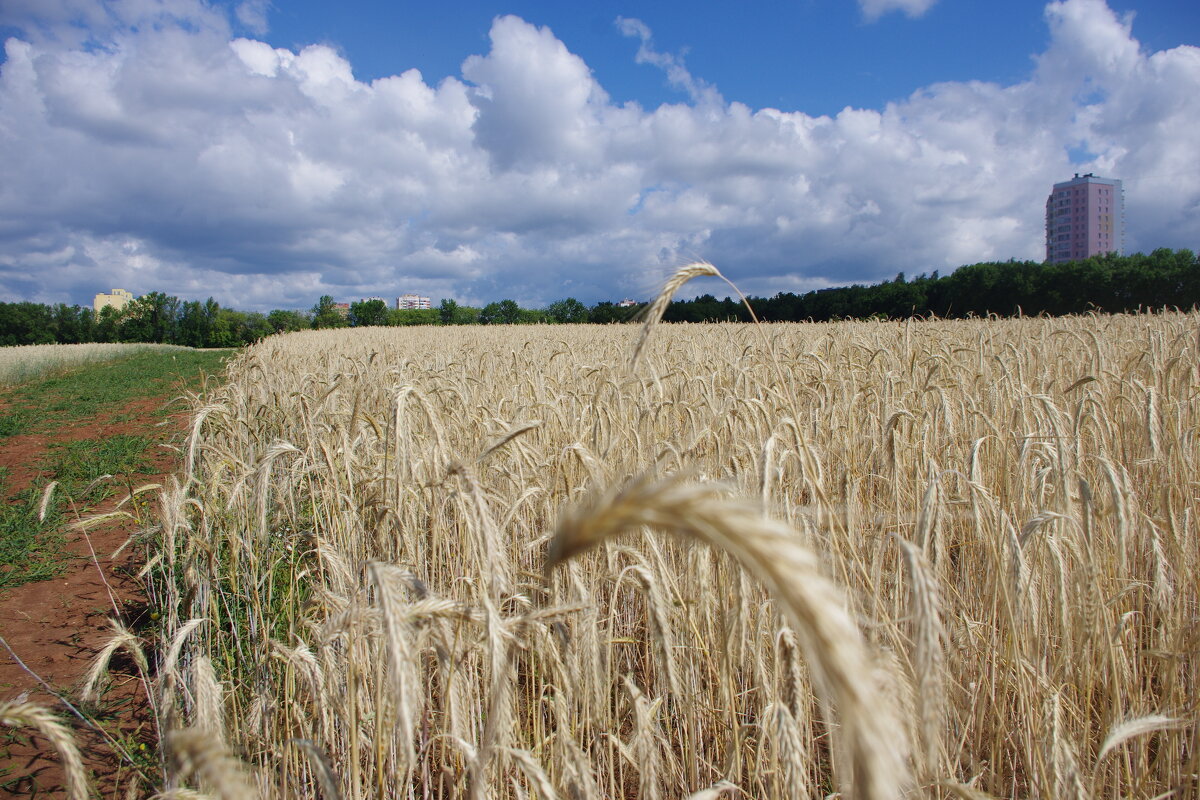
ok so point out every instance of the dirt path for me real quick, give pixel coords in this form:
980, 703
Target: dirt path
57, 626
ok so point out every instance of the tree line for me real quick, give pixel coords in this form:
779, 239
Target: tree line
1108, 283
160, 318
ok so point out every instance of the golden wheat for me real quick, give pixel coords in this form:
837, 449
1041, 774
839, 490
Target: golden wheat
962, 551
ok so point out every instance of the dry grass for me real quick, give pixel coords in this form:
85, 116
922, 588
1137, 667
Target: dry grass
961, 554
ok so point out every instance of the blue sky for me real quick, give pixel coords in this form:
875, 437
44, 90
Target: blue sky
269, 153
816, 56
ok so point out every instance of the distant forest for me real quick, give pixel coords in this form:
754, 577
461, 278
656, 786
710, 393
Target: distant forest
1110, 283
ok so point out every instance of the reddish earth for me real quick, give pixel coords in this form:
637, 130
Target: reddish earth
57, 626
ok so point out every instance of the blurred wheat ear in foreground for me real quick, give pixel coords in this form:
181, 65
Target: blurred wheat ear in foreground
31, 717
815, 607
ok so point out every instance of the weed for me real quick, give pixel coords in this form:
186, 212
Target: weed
31, 549
14, 422
80, 463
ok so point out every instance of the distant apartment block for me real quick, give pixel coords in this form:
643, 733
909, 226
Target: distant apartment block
413, 301
1085, 216
627, 303
342, 309
117, 298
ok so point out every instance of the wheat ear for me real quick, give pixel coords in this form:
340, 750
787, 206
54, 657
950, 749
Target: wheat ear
199, 755
773, 553
31, 715
655, 311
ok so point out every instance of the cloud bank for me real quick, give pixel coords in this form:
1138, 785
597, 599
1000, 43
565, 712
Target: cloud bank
144, 145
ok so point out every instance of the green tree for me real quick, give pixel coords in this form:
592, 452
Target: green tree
73, 324
510, 312
607, 311
286, 320
108, 325
26, 323
326, 316
447, 311
223, 332
490, 314
252, 326
365, 313
569, 310
506, 312
196, 322
532, 316
467, 315
153, 317
413, 316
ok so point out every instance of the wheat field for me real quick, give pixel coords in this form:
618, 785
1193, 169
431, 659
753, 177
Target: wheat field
923, 559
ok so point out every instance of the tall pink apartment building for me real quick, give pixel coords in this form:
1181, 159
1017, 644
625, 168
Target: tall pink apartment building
1085, 216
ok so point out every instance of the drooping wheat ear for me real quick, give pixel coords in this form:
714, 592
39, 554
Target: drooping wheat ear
792, 750
773, 553
490, 547
506, 437
122, 637
326, 778
31, 715
647, 740
660, 628
1065, 779
178, 639
655, 311
534, 773
180, 794
209, 713
193, 440
715, 791
402, 647
198, 756
1123, 732
928, 662
47, 494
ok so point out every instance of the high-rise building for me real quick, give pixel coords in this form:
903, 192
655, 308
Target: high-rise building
1085, 216
413, 301
117, 298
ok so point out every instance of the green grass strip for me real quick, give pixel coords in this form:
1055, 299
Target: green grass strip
33, 549
47, 401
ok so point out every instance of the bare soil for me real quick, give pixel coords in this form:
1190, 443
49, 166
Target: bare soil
57, 626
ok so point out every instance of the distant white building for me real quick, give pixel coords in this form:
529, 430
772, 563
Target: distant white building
413, 301
626, 303
117, 298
